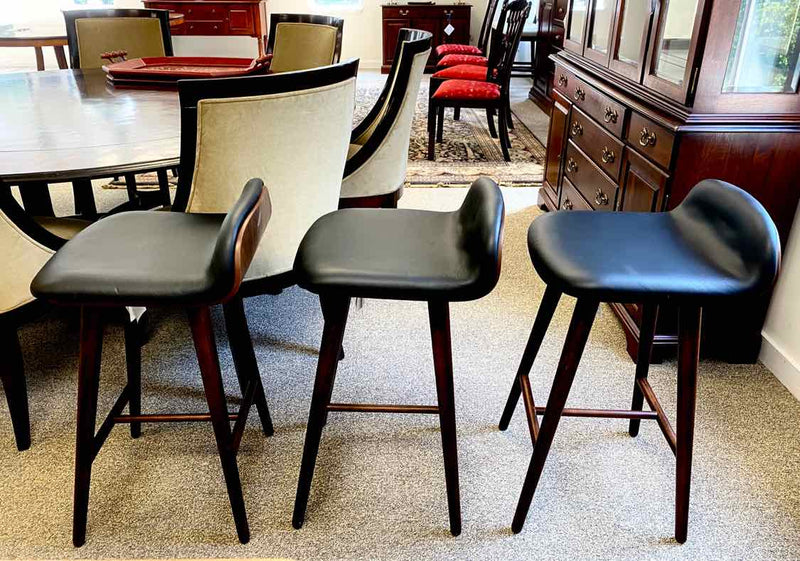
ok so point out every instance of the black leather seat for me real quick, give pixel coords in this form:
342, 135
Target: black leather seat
436, 257
162, 258
718, 243
406, 254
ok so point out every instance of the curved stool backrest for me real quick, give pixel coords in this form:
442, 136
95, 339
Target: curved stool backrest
289, 129
720, 219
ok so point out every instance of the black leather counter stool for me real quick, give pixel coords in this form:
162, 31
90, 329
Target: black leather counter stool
158, 259
438, 257
718, 244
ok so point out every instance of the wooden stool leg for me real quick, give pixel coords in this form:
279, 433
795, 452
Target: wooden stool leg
244, 358
332, 335
206, 348
12, 372
133, 360
581, 324
543, 317
456, 113
646, 333
439, 314
91, 349
440, 126
505, 141
689, 319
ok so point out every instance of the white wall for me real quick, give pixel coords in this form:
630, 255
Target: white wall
780, 351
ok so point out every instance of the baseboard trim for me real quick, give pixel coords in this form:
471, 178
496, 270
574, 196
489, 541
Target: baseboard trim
778, 362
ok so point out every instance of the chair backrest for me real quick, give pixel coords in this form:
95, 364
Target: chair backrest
505, 41
304, 41
722, 220
486, 26
291, 130
139, 32
386, 131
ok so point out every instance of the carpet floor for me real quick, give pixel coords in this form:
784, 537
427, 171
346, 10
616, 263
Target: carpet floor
379, 487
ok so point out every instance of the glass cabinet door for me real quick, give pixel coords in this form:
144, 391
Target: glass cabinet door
631, 31
576, 25
601, 19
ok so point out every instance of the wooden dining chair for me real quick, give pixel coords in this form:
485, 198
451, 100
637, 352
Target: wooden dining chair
452, 54
378, 155
304, 41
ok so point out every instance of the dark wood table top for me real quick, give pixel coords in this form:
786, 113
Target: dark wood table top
71, 124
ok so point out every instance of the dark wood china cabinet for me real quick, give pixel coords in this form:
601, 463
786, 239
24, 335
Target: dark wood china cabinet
651, 96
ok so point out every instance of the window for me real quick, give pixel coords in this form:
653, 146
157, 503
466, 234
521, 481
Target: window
337, 5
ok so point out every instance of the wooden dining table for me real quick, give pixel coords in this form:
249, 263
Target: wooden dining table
72, 125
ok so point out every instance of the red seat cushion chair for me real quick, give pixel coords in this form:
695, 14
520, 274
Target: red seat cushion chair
454, 60
467, 90
463, 72
455, 49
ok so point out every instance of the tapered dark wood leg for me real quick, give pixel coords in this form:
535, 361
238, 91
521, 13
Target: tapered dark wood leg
647, 331
12, 372
439, 314
579, 328
505, 141
509, 116
163, 187
325, 311
440, 126
83, 196
543, 317
456, 113
91, 348
689, 319
133, 193
332, 335
490, 121
36, 199
133, 360
61, 56
206, 348
244, 358
431, 131
39, 58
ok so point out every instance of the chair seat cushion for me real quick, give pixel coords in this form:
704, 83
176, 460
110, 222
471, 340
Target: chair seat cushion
632, 257
456, 49
463, 72
467, 90
65, 228
454, 60
135, 258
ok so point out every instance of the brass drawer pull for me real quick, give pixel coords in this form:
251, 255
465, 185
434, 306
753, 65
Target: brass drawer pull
611, 115
580, 94
608, 156
562, 81
567, 204
403, 12
600, 198
577, 129
647, 138
572, 165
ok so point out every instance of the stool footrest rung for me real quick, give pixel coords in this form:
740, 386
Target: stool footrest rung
110, 421
375, 408
605, 413
168, 418
661, 416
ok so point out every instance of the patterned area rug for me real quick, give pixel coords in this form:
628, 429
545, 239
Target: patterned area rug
467, 152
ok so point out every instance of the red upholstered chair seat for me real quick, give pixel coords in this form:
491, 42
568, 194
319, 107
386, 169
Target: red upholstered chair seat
454, 60
463, 72
467, 90
455, 49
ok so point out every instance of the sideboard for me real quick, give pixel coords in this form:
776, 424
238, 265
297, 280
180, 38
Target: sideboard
431, 17
219, 17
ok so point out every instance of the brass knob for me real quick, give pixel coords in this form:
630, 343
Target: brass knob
567, 204
647, 138
579, 94
611, 115
403, 12
600, 198
608, 156
577, 129
572, 165
562, 81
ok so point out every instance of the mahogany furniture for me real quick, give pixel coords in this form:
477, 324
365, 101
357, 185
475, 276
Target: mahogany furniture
645, 107
391, 254
194, 261
304, 41
219, 17
432, 18
474, 86
720, 245
549, 41
37, 37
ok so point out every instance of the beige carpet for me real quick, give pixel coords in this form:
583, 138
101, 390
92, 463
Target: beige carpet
379, 488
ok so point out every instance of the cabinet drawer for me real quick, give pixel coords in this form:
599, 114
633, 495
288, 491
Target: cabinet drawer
571, 199
205, 28
589, 180
601, 147
563, 80
396, 12
204, 13
240, 21
650, 139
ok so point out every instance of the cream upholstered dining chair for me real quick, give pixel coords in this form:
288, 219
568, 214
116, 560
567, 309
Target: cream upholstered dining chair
304, 41
378, 153
291, 130
27, 245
